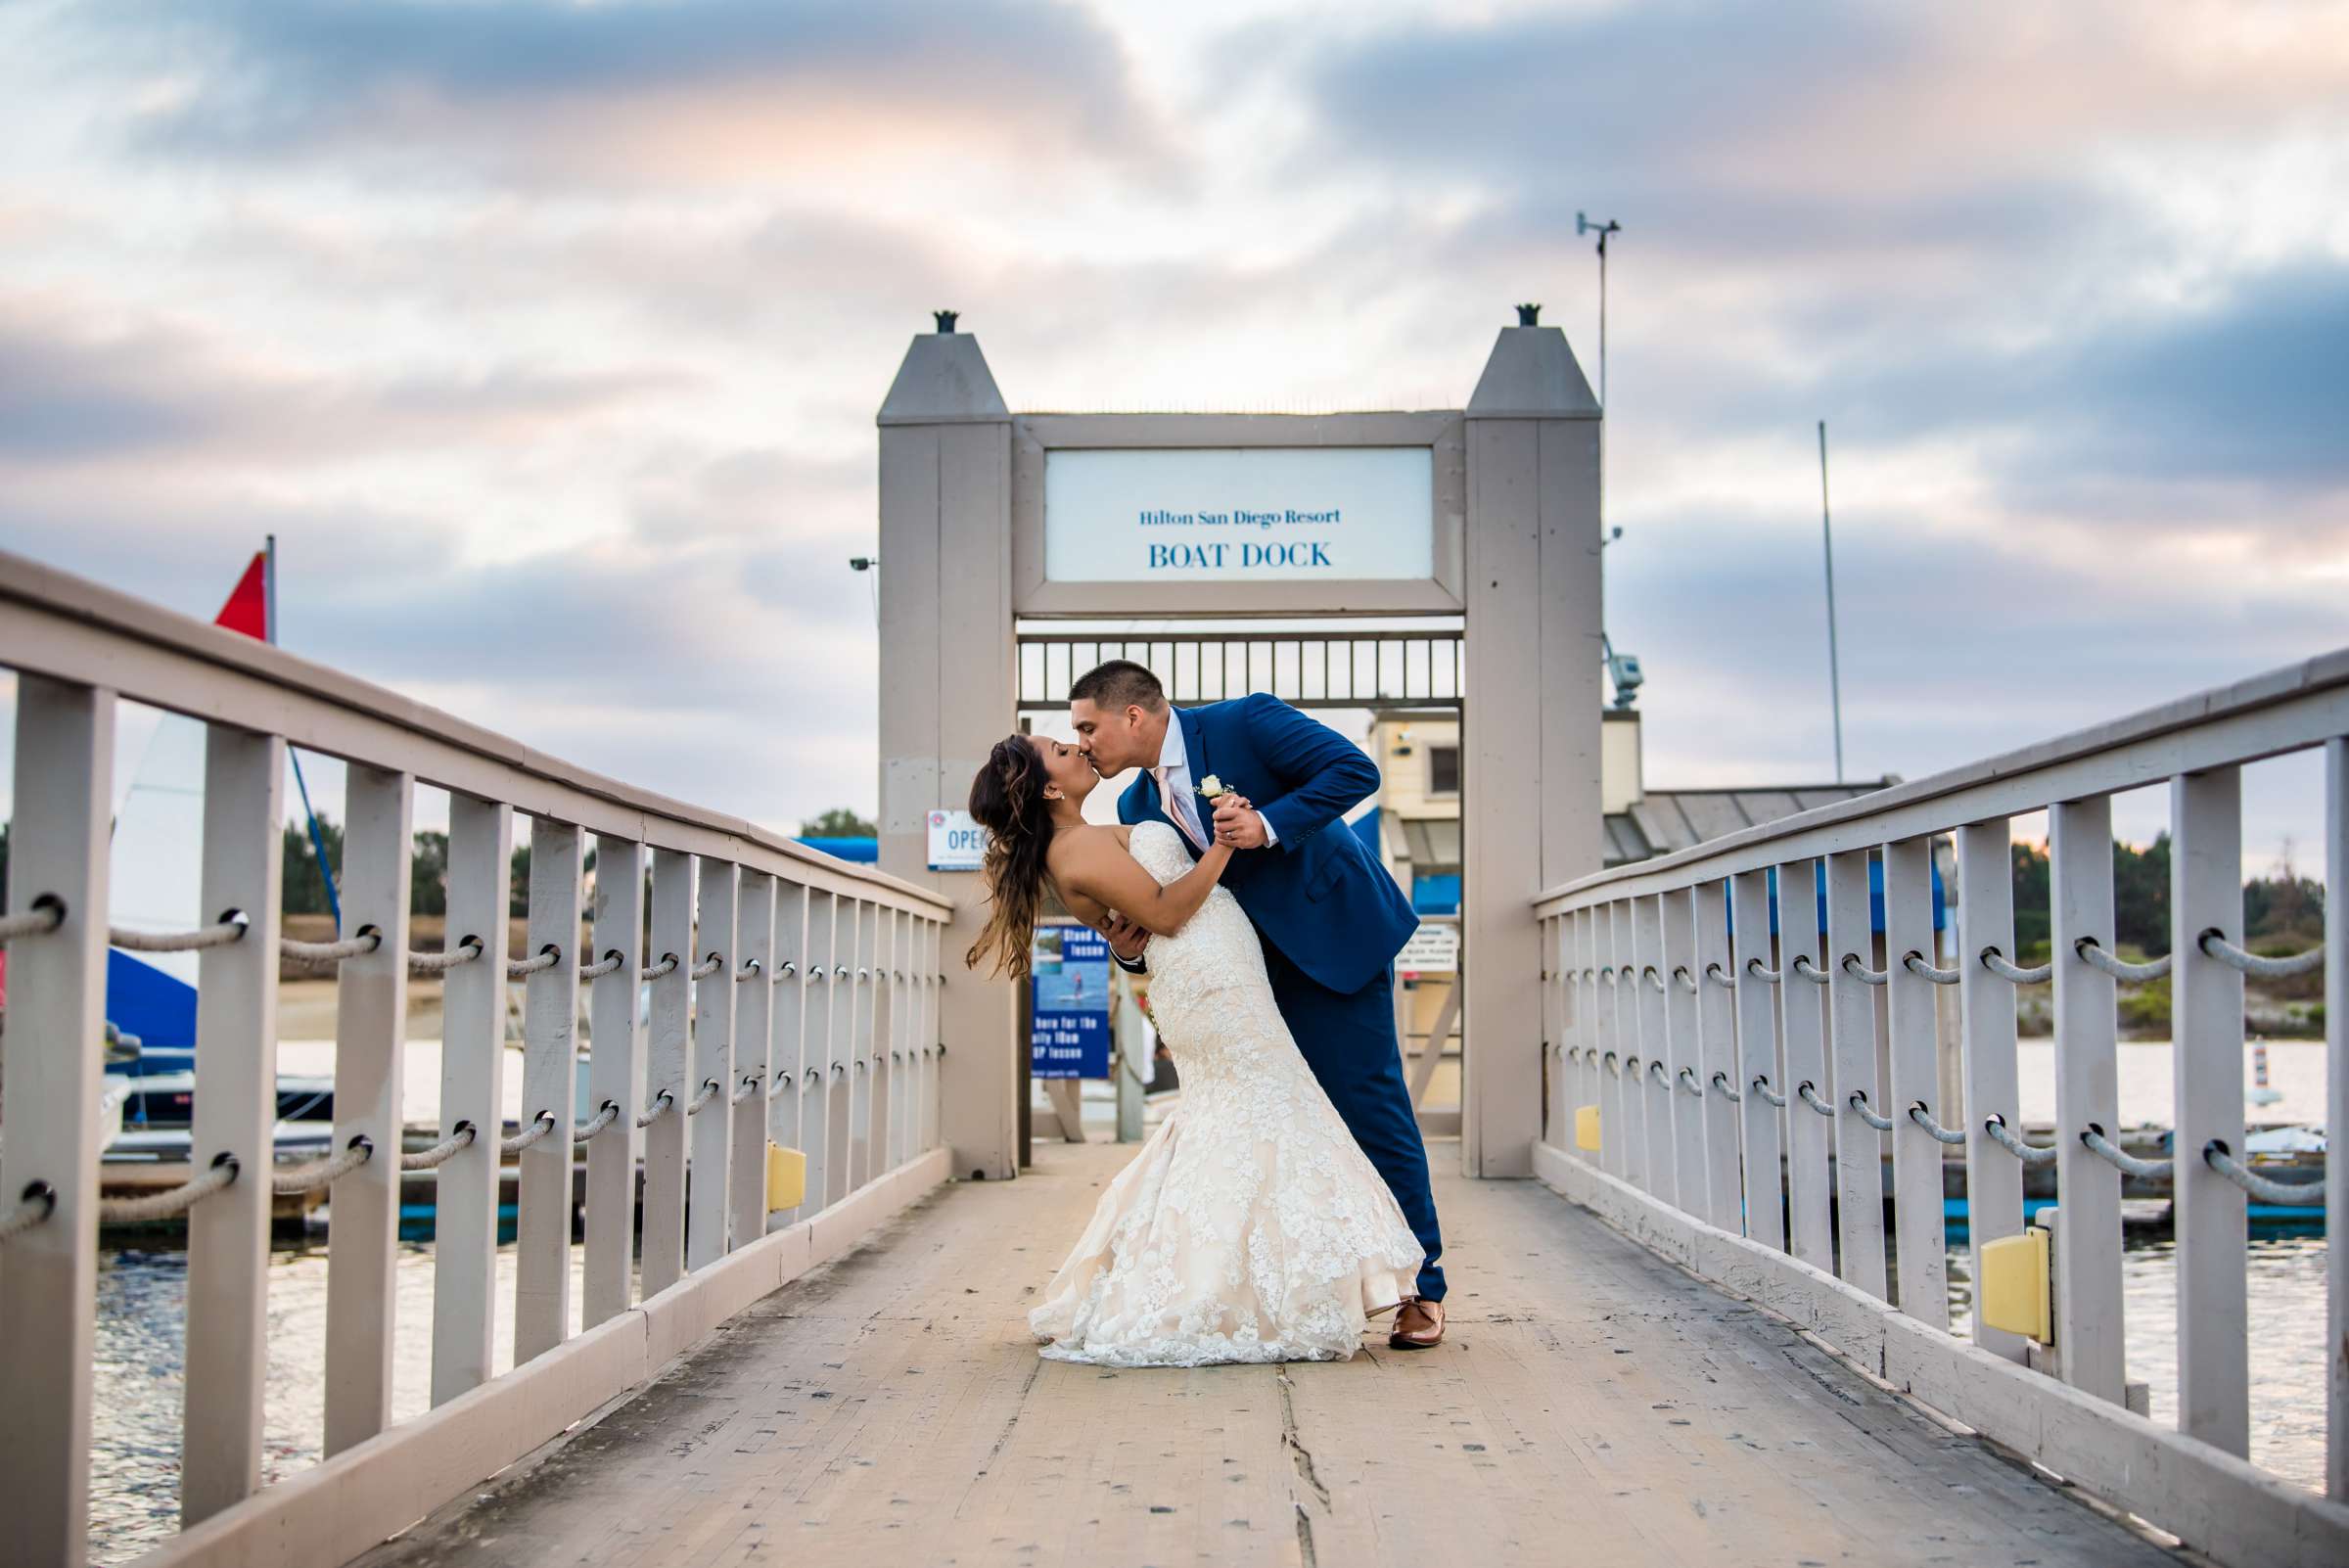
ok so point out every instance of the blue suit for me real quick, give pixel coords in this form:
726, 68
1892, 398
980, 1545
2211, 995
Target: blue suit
1331, 920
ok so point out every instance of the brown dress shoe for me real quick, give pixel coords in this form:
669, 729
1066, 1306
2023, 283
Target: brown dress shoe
1419, 1325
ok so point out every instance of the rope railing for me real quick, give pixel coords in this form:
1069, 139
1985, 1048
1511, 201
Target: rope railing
706, 967
1756, 968
1954, 1136
667, 966
33, 1206
749, 1087
366, 940
1917, 964
749, 971
609, 1113
43, 915
785, 970
610, 963
709, 1091
1859, 971
325, 1173
1809, 1096
774, 1089
1996, 962
1655, 1070
440, 1153
2092, 953
1810, 971
435, 963
1608, 1062
1721, 1087
540, 1126
172, 1201
1687, 1079
1761, 1087
1714, 974
2296, 1194
1688, 981
2121, 1159
230, 927
2227, 952
663, 1104
2028, 1153
548, 957
1647, 973
1867, 1112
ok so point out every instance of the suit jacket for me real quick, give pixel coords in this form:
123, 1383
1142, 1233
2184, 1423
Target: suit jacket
1320, 896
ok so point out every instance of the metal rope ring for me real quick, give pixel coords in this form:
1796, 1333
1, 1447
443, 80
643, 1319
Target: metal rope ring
840, 1070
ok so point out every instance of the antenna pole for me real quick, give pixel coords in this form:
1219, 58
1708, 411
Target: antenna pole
1826, 535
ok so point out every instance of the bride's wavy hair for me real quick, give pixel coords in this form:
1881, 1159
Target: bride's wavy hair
1007, 798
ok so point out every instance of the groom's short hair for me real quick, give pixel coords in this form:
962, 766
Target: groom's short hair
1118, 684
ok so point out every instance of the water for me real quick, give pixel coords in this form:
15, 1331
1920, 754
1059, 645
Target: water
141, 1359
2285, 1277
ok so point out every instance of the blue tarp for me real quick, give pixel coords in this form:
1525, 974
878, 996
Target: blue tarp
866, 851
158, 1008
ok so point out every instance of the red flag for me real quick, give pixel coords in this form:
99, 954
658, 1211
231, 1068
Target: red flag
248, 607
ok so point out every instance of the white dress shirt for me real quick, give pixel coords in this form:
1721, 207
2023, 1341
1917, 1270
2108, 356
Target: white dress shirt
1181, 791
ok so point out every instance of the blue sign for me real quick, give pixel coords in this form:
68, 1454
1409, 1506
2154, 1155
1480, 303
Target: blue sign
1070, 982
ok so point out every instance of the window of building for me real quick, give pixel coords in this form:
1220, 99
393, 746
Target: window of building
1435, 844
1442, 770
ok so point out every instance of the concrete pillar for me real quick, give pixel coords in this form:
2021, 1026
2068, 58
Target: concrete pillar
1530, 734
947, 693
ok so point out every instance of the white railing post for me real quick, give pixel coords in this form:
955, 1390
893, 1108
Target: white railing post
1628, 1130
1682, 1055
2206, 892
865, 991
840, 1095
825, 930
56, 1027
371, 1012
550, 1008
1922, 1240
1556, 1013
712, 1132
2088, 1260
1716, 1053
754, 1055
1762, 1124
669, 1071
236, 1108
789, 991
1655, 1109
615, 1077
934, 975
1597, 1028
1808, 1135
473, 1074
1859, 1147
1994, 1178
884, 1043
2336, 1070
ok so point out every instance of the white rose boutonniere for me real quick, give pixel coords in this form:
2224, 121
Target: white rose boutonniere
1211, 787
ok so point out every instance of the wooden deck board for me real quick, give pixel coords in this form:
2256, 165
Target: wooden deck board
1593, 1403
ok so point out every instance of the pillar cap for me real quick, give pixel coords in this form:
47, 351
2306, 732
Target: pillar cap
1532, 375
943, 381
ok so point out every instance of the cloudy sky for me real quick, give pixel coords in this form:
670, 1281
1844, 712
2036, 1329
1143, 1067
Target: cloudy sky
547, 336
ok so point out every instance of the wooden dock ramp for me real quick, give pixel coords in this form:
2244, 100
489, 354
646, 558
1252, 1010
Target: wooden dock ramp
1594, 1405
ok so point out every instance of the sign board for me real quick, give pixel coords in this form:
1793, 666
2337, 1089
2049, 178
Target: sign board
956, 842
1432, 951
1070, 983
1239, 514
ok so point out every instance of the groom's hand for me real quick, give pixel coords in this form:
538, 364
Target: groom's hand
1126, 938
1239, 824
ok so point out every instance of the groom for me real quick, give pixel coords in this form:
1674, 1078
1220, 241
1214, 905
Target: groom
1331, 918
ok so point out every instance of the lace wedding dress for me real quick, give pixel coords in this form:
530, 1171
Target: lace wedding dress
1251, 1228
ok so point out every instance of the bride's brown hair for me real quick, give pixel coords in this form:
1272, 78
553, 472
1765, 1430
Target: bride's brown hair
1007, 798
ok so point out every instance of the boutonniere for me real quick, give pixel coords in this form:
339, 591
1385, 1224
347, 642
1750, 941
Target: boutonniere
1212, 787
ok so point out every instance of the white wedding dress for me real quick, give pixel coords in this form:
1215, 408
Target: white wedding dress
1251, 1228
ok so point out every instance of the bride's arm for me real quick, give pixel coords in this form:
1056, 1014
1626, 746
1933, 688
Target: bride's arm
1097, 865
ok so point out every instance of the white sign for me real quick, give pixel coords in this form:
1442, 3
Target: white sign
956, 842
1223, 513
1432, 951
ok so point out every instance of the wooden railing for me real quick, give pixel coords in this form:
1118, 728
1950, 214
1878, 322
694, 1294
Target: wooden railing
792, 997
1715, 1061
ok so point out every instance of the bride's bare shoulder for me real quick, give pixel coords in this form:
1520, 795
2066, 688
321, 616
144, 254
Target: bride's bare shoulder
1088, 838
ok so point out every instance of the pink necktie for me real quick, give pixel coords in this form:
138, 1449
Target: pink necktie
1181, 818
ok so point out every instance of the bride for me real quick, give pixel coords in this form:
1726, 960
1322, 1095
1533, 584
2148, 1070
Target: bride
1251, 1228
